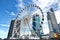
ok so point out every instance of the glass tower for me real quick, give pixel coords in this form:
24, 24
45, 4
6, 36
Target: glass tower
36, 24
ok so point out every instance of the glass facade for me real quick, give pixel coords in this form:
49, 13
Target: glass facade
36, 24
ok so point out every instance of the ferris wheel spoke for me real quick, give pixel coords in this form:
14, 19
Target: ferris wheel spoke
26, 16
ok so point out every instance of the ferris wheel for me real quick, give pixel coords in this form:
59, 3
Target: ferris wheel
32, 17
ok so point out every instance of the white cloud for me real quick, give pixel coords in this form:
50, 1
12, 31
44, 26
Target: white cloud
45, 3
12, 13
41, 3
59, 5
3, 34
7, 11
4, 25
20, 4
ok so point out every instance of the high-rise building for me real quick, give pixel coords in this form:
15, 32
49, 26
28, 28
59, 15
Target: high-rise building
36, 24
10, 33
10, 29
52, 21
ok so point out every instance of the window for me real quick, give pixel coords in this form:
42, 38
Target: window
36, 21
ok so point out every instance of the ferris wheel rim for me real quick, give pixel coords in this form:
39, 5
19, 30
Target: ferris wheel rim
33, 5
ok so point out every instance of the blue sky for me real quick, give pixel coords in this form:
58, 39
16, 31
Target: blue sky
9, 9
7, 12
